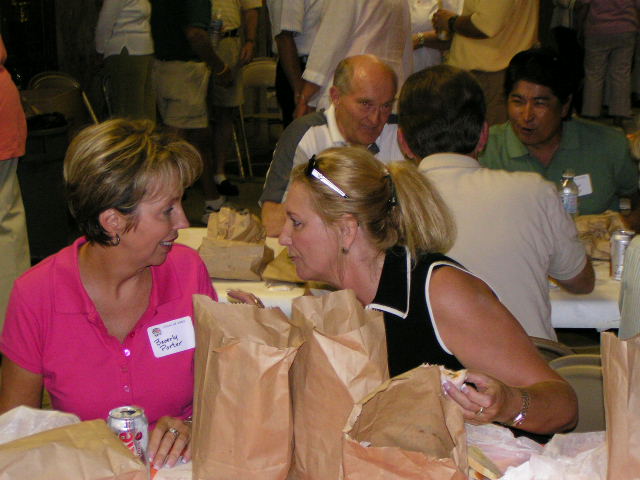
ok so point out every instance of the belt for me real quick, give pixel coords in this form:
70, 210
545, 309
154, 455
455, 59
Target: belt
231, 33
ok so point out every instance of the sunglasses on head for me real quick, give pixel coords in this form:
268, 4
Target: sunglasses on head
313, 171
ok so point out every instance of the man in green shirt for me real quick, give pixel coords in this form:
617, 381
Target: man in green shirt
541, 137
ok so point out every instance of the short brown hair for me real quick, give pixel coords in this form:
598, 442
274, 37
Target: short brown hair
114, 164
419, 219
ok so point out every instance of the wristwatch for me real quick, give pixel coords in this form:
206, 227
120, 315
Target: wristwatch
452, 23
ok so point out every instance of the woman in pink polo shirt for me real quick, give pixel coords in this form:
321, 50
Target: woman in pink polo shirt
107, 321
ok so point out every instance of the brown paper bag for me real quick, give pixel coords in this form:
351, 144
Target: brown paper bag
230, 224
407, 429
621, 372
282, 269
234, 247
243, 423
234, 260
344, 357
84, 451
595, 232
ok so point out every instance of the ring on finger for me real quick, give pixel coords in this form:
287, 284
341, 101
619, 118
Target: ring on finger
480, 412
175, 432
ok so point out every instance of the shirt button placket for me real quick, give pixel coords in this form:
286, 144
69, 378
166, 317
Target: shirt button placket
125, 377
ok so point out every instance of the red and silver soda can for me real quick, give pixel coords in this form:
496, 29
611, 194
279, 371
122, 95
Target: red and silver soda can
619, 242
132, 427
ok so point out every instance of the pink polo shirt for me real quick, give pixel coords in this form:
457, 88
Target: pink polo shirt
53, 329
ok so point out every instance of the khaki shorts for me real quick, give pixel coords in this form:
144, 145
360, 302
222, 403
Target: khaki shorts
232, 96
181, 89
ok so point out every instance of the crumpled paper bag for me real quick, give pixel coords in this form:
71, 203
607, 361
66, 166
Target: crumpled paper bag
595, 232
344, 357
23, 421
571, 456
243, 422
240, 226
181, 471
621, 376
234, 247
82, 451
282, 269
408, 429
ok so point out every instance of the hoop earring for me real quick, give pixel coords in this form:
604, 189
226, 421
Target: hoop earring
115, 240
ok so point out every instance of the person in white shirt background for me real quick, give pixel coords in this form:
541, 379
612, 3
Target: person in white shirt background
293, 30
377, 27
427, 47
123, 37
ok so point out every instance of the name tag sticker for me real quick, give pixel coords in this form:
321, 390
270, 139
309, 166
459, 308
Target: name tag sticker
172, 337
584, 184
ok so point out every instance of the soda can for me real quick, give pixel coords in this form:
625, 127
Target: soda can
132, 427
619, 242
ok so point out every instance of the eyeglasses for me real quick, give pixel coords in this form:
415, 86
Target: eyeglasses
313, 171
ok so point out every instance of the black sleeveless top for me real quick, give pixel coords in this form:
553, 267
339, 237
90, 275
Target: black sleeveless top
402, 296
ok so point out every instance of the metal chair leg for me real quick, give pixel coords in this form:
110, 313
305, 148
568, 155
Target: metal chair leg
244, 141
238, 153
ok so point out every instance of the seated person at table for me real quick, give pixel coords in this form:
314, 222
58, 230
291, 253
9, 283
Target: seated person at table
511, 227
362, 97
355, 224
93, 323
540, 135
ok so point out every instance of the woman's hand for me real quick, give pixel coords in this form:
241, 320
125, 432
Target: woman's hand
240, 296
490, 400
170, 440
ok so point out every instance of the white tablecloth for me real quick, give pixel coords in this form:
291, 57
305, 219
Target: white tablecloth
599, 309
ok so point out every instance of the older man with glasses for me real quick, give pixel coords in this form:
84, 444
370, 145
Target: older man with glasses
362, 98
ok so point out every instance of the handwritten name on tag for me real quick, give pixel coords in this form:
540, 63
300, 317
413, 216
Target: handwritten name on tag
172, 337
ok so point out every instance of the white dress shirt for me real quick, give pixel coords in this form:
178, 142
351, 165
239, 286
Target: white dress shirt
353, 27
421, 13
301, 17
124, 23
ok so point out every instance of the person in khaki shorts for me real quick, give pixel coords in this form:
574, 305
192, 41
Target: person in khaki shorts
236, 47
14, 246
184, 62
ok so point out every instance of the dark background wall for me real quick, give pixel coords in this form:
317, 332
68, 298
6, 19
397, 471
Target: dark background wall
45, 35
59, 35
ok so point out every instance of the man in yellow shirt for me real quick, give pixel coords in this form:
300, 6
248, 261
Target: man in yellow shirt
484, 38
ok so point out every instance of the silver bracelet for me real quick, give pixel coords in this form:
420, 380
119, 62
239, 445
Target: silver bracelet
522, 415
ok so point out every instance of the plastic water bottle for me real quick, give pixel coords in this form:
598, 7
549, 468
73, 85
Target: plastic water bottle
569, 193
215, 29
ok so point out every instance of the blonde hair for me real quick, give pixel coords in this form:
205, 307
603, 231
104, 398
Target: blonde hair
116, 163
419, 219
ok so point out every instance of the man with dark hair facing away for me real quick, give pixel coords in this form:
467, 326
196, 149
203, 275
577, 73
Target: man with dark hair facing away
512, 230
